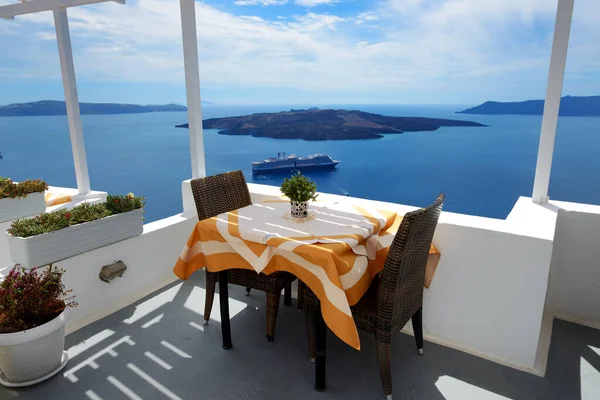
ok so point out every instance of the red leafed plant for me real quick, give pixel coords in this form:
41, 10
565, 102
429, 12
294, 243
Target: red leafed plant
32, 298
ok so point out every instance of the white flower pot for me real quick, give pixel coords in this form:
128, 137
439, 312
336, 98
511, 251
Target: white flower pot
299, 209
11, 209
34, 355
37, 251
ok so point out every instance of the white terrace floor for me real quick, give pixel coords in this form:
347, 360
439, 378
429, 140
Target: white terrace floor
159, 349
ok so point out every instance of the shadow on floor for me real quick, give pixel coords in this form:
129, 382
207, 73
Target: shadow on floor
159, 349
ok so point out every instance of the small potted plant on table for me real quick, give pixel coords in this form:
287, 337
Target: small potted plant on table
300, 190
21, 199
55, 236
34, 308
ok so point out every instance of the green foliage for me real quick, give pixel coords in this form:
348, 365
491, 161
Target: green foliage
85, 212
299, 188
32, 298
121, 204
11, 190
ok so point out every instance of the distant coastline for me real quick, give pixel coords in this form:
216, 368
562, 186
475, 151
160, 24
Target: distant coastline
314, 124
53, 107
570, 106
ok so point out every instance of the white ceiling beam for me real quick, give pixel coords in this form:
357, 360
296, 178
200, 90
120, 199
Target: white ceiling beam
29, 7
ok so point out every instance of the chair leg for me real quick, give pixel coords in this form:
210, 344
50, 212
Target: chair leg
211, 282
311, 326
417, 323
248, 289
287, 295
300, 294
321, 361
384, 359
224, 303
272, 309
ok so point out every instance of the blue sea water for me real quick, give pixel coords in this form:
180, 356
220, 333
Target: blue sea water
482, 170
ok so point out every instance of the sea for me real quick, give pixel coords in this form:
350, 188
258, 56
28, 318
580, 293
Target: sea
482, 170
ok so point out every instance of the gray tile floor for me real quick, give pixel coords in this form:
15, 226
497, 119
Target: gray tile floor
137, 354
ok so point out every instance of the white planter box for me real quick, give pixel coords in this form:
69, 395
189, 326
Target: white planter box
51, 247
11, 209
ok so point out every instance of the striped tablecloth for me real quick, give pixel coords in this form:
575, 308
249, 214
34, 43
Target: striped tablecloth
336, 251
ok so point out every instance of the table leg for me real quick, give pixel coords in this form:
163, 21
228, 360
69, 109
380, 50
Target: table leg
224, 302
321, 364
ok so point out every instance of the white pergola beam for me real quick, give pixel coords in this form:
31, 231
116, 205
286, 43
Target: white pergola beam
192, 86
556, 74
29, 7
67, 69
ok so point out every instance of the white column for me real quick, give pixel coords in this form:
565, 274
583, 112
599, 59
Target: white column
192, 86
65, 52
558, 61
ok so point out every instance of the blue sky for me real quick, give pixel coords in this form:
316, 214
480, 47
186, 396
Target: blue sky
305, 52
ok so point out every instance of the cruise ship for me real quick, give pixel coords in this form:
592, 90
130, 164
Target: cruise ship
285, 163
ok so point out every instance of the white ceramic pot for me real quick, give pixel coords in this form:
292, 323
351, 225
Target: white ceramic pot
11, 209
37, 251
299, 209
28, 356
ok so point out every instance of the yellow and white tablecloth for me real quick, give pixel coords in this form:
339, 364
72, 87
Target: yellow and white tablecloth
336, 251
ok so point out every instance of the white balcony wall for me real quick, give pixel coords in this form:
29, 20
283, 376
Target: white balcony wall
487, 297
574, 290
149, 259
488, 294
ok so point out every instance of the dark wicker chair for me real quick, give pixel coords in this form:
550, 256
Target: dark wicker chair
396, 294
221, 193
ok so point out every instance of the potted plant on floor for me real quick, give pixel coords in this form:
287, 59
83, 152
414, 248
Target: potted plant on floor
34, 308
300, 190
55, 236
21, 199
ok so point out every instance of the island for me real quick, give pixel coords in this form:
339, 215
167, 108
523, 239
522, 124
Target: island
53, 107
316, 124
570, 106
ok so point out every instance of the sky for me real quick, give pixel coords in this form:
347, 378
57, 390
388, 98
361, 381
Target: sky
304, 52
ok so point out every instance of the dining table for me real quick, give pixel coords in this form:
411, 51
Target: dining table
336, 251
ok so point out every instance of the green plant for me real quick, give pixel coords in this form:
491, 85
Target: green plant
299, 188
11, 190
85, 212
32, 298
121, 204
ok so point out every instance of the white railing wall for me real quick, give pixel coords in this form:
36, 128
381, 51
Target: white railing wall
487, 298
574, 290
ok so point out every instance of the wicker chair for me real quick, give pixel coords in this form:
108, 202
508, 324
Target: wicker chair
396, 294
226, 192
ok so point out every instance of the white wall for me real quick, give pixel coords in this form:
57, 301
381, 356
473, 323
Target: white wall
487, 297
574, 291
4, 252
488, 294
149, 258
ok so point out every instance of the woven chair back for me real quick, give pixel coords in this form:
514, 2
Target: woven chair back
220, 193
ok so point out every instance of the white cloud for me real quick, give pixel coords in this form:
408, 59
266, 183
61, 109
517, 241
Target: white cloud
368, 16
432, 50
314, 3
259, 2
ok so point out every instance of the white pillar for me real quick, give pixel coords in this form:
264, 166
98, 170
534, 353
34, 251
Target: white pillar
65, 52
192, 86
556, 74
